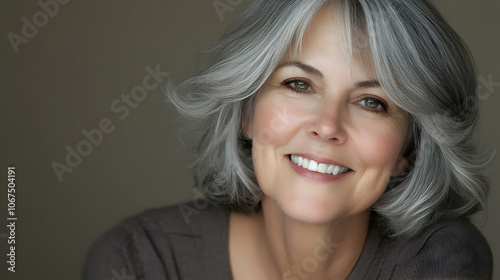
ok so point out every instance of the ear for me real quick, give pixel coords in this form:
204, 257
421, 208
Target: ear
401, 166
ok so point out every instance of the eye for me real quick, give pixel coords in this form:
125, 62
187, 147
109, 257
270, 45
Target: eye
373, 104
298, 85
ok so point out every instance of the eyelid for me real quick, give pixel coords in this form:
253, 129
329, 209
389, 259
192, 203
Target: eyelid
287, 83
383, 103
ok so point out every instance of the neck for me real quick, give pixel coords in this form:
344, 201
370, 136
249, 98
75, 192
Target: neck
298, 250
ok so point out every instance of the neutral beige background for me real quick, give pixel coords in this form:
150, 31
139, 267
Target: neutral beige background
64, 79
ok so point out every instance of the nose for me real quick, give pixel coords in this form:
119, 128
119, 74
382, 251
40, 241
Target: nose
328, 124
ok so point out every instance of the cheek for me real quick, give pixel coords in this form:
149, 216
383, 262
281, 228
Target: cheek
275, 121
378, 143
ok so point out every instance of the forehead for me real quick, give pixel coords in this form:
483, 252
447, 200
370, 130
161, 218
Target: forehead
330, 42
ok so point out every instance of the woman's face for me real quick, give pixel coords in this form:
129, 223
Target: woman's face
327, 114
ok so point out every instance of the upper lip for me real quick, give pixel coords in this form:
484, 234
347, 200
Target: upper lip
320, 159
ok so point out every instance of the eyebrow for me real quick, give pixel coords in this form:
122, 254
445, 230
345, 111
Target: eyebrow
304, 67
313, 71
368, 84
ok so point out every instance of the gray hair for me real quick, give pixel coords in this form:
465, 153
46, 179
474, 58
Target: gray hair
421, 63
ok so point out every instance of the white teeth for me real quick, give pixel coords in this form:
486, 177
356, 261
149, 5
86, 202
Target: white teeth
336, 170
330, 169
318, 167
305, 163
313, 166
299, 160
322, 168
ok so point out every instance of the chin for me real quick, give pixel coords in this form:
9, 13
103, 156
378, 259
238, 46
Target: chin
319, 210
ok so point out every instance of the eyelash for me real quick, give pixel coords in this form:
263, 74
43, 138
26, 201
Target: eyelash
288, 83
381, 103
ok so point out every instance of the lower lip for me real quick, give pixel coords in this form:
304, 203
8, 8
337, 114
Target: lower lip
316, 176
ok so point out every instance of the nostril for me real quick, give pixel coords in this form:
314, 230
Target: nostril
333, 134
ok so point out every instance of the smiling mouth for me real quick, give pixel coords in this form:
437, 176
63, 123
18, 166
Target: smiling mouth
323, 168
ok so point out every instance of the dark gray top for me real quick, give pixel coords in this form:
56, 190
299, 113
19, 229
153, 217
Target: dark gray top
190, 241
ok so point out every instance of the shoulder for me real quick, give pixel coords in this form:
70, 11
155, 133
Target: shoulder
452, 248
157, 242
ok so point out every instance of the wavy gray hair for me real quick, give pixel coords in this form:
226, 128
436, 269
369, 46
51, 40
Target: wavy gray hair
421, 63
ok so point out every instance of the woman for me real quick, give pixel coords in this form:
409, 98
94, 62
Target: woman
333, 141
